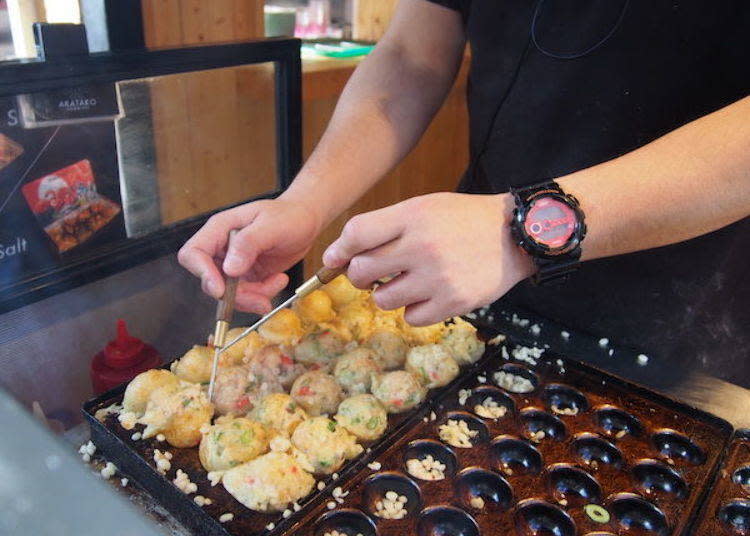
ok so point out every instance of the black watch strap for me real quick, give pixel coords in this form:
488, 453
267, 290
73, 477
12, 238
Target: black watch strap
550, 270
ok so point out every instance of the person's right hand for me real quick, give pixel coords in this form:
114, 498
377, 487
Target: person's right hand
273, 235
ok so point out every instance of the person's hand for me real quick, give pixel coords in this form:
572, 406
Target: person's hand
451, 253
273, 235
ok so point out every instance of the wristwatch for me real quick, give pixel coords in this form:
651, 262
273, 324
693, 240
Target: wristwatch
549, 225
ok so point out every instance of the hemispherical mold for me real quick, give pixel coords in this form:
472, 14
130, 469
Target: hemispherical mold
564, 400
507, 382
654, 477
616, 422
421, 449
741, 476
595, 451
634, 514
472, 422
514, 456
540, 518
345, 521
378, 485
674, 445
480, 489
735, 516
444, 520
497, 396
572, 485
541, 425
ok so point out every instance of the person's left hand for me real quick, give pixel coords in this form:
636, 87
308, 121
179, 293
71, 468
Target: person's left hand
451, 252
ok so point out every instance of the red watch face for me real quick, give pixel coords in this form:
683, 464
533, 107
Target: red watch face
550, 222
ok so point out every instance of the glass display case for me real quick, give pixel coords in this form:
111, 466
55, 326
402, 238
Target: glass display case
108, 163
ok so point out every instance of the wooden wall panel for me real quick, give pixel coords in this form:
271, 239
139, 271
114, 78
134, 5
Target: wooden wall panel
214, 130
371, 18
169, 23
213, 149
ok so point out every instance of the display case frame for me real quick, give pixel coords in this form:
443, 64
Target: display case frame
68, 71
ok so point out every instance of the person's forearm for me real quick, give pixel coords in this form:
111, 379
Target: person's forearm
383, 111
691, 181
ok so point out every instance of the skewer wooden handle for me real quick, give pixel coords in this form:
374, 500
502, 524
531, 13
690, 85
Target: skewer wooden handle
326, 275
225, 308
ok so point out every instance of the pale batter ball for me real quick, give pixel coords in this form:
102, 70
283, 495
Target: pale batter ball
269, 483
140, 388
275, 364
432, 364
231, 390
341, 291
358, 318
354, 369
236, 353
230, 442
285, 327
195, 365
317, 393
279, 412
318, 350
179, 413
325, 444
364, 416
315, 307
398, 390
416, 336
383, 319
390, 348
460, 338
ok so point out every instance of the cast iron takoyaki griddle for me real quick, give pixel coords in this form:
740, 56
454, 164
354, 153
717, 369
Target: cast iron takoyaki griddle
629, 462
727, 511
135, 458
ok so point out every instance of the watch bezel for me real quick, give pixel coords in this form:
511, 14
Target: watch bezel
537, 249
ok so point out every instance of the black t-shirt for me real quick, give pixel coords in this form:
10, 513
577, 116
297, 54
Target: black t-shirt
542, 104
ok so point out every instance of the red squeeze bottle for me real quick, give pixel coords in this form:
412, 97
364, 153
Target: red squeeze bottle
122, 360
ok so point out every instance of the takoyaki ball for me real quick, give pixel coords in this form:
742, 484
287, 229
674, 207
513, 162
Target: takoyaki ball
398, 390
338, 328
285, 328
417, 336
140, 388
432, 364
269, 483
353, 370
315, 307
389, 347
364, 416
231, 390
195, 365
319, 349
275, 364
236, 353
324, 444
383, 319
279, 412
358, 318
230, 442
179, 413
460, 338
342, 292
317, 393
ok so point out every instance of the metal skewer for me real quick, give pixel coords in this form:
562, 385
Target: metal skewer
224, 314
321, 277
